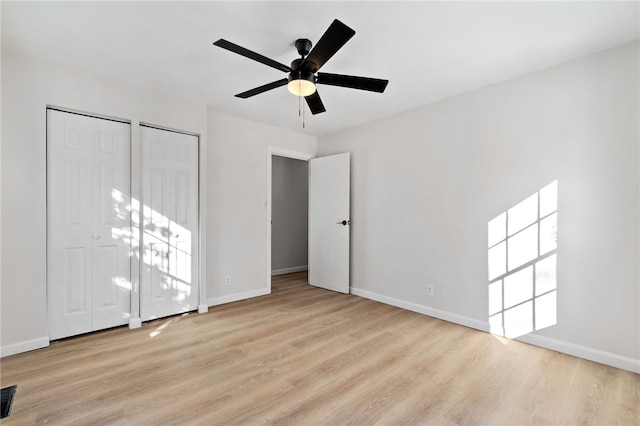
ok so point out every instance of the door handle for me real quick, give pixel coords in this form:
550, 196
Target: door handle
344, 223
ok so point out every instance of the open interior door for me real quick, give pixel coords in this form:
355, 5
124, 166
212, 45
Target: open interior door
329, 222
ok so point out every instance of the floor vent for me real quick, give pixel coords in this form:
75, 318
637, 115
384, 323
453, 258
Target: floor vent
7, 400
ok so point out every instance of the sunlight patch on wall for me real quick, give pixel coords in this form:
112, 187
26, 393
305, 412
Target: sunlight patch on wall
522, 264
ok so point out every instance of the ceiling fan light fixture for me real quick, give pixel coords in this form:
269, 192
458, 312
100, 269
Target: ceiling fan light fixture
302, 83
304, 72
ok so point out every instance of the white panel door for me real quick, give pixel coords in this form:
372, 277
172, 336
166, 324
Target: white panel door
112, 222
329, 222
169, 282
89, 223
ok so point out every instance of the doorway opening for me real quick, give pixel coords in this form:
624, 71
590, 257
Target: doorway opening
287, 212
328, 249
289, 215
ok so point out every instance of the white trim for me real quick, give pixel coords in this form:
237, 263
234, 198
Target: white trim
27, 345
281, 152
572, 349
135, 323
169, 129
136, 230
289, 270
202, 220
236, 297
590, 354
203, 309
297, 155
89, 114
421, 309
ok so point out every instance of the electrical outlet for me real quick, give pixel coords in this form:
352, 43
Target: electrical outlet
227, 280
430, 290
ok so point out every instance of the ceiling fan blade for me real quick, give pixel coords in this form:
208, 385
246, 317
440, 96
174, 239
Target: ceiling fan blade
331, 41
251, 55
353, 82
315, 103
262, 89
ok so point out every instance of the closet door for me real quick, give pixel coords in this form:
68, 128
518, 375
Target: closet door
169, 283
89, 223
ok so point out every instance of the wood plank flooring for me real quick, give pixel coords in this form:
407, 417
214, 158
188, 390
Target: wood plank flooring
306, 356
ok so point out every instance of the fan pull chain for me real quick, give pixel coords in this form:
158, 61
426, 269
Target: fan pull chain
299, 101
301, 110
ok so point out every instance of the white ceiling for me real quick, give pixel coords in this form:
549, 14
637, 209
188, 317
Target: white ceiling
427, 50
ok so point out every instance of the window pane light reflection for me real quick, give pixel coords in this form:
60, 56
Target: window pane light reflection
522, 262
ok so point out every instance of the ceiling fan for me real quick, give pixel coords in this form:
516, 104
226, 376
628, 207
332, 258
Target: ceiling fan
303, 72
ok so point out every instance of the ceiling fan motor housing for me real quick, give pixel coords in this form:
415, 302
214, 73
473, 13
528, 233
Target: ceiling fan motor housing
299, 73
303, 46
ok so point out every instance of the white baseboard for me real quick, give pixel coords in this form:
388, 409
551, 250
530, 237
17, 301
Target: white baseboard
236, 297
595, 355
203, 309
421, 309
590, 354
289, 270
27, 345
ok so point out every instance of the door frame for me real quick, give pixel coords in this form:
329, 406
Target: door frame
280, 152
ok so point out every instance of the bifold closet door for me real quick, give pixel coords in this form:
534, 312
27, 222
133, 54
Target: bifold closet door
169, 282
89, 225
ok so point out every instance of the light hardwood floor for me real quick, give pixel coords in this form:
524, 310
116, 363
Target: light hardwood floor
305, 356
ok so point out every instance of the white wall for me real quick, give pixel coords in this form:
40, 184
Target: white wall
425, 183
237, 194
28, 86
289, 207
233, 158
